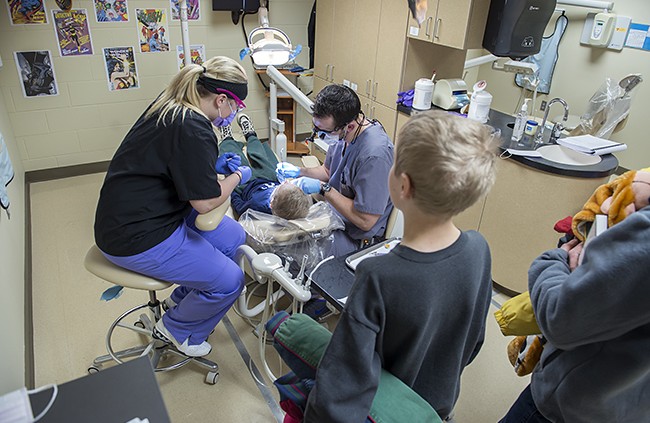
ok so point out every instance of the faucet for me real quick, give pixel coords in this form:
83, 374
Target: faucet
558, 127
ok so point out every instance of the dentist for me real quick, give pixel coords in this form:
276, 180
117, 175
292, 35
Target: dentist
353, 179
163, 174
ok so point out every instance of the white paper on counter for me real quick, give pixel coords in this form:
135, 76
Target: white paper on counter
591, 145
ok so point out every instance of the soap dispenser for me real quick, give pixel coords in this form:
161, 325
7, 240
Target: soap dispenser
520, 122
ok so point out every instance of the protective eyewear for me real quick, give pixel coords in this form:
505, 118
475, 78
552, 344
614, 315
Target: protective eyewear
240, 104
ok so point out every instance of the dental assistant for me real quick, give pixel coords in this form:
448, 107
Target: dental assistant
353, 179
163, 174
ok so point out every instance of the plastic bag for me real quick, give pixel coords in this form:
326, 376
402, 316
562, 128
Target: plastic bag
293, 239
608, 107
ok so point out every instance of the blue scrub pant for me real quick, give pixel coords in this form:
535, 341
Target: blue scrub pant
202, 264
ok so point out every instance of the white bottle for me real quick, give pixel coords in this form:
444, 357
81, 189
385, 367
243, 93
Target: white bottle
520, 122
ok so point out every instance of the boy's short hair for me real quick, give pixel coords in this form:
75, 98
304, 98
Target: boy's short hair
289, 202
450, 160
339, 102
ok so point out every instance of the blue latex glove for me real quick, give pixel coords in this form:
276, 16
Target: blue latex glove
246, 174
285, 170
307, 185
227, 163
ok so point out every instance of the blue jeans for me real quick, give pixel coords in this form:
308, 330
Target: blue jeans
524, 410
202, 264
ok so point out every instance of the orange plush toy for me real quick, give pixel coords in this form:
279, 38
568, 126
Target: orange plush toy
616, 199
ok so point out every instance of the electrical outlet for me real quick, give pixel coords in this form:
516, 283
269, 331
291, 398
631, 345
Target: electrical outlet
542, 106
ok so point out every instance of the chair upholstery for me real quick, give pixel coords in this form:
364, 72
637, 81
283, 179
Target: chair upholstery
98, 265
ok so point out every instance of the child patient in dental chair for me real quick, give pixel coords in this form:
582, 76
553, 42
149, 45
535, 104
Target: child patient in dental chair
263, 193
418, 312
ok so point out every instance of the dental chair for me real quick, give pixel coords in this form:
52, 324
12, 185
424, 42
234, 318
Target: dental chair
146, 315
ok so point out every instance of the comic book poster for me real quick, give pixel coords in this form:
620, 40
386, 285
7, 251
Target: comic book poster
111, 11
36, 73
152, 30
193, 10
120, 68
72, 32
22, 12
197, 54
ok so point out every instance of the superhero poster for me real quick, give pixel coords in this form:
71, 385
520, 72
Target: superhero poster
36, 73
120, 68
197, 54
152, 30
23, 12
193, 10
72, 32
111, 11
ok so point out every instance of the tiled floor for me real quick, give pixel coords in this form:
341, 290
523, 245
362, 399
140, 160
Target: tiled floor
70, 323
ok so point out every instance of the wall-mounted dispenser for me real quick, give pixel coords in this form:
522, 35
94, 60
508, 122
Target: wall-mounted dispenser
515, 28
602, 29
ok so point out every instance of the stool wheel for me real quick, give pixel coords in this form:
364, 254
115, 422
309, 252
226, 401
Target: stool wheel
211, 378
93, 369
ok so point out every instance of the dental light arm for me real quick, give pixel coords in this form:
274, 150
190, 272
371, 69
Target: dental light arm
279, 140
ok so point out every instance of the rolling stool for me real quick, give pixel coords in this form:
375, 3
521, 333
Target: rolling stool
97, 264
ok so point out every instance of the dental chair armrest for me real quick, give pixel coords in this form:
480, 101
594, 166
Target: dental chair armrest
210, 220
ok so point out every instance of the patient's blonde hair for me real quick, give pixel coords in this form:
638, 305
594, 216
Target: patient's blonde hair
289, 202
183, 93
450, 161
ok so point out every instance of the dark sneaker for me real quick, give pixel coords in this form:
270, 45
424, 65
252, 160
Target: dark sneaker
246, 125
316, 308
225, 132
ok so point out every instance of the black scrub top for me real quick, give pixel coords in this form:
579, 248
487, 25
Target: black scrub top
154, 174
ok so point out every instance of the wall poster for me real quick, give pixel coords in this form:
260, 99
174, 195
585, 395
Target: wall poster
120, 67
197, 54
36, 73
72, 32
111, 11
23, 12
193, 10
152, 27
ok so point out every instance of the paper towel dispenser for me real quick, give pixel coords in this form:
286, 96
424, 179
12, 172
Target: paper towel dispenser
515, 28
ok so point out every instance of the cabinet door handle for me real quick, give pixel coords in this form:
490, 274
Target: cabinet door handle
426, 28
332, 74
372, 115
374, 90
327, 71
436, 29
368, 81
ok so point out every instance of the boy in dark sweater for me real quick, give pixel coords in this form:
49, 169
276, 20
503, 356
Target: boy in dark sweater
263, 192
418, 312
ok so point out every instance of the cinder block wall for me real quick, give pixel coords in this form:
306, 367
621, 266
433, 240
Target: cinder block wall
86, 122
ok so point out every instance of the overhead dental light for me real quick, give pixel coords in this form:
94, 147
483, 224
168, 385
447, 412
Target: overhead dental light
268, 45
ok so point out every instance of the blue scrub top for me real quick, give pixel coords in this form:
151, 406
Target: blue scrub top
360, 172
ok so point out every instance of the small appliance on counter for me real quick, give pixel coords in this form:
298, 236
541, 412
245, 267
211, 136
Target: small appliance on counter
450, 94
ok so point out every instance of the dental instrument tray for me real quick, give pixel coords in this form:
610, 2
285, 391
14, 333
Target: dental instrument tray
376, 250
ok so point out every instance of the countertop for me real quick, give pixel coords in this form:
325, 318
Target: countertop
499, 120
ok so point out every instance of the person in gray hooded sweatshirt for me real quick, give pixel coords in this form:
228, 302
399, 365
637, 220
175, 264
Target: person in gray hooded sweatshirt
595, 366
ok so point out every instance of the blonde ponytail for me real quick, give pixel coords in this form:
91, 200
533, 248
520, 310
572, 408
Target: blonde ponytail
183, 93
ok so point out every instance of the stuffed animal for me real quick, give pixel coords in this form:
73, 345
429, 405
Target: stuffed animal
617, 199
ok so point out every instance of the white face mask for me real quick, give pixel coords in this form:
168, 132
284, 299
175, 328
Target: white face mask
15, 406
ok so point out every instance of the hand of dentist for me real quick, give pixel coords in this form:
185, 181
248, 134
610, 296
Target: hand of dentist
307, 185
227, 163
285, 170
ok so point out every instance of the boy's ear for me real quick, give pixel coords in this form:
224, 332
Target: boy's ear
406, 186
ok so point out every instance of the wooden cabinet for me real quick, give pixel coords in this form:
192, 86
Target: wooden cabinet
519, 216
362, 45
452, 23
